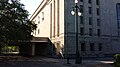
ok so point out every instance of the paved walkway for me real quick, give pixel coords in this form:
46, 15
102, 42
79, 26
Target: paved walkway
104, 62
51, 62
87, 63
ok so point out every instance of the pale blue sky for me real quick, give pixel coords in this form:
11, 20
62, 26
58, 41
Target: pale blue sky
31, 5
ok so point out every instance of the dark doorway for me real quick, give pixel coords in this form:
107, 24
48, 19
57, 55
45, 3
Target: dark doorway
41, 49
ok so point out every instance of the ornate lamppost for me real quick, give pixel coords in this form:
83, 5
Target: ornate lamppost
76, 13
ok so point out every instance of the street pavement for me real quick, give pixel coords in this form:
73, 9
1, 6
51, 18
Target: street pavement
52, 62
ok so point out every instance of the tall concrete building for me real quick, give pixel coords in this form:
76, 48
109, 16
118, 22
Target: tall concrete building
99, 26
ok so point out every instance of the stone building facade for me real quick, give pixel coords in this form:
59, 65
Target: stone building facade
98, 26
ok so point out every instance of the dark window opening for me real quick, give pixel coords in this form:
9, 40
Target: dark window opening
90, 21
38, 19
82, 31
98, 12
98, 31
81, 19
81, 0
92, 47
89, 1
81, 8
98, 22
90, 10
90, 31
83, 47
97, 2
100, 46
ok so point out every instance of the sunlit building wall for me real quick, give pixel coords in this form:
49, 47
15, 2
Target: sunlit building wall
99, 31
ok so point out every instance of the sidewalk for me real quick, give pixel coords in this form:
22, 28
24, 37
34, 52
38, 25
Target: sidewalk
85, 62
90, 63
101, 62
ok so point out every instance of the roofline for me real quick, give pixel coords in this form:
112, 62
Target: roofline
39, 8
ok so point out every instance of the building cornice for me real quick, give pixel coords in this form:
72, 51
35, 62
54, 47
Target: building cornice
40, 7
49, 1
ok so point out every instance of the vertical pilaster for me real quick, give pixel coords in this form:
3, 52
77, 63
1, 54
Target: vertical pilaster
33, 49
86, 17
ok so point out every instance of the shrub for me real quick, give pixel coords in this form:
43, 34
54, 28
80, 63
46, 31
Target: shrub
117, 60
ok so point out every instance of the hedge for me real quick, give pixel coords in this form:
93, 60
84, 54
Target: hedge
117, 60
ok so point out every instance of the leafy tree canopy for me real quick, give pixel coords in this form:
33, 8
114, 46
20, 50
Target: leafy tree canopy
14, 22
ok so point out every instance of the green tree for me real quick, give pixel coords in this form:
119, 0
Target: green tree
14, 23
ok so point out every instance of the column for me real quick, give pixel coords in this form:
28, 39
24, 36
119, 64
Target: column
33, 49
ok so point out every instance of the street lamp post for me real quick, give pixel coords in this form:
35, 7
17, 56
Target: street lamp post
76, 13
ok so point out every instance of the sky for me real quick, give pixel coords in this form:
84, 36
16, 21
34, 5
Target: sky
31, 5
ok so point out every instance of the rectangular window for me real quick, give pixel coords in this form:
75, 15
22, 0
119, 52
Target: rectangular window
81, 8
100, 46
89, 1
42, 16
98, 31
90, 31
38, 31
90, 21
82, 31
81, 0
98, 12
81, 19
38, 19
97, 2
90, 10
98, 22
35, 32
92, 47
83, 47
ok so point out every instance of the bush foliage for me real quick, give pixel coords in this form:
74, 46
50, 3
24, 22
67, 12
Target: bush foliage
117, 60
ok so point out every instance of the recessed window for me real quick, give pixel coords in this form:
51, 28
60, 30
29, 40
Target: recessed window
81, 8
82, 31
97, 2
81, 19
100, 47
81, 0
38, 31
92, 47
42, 16
98, 31
98, 22
90, 10
38, 19
89, 1
90, 21
83, 47
98, 11
90, 31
